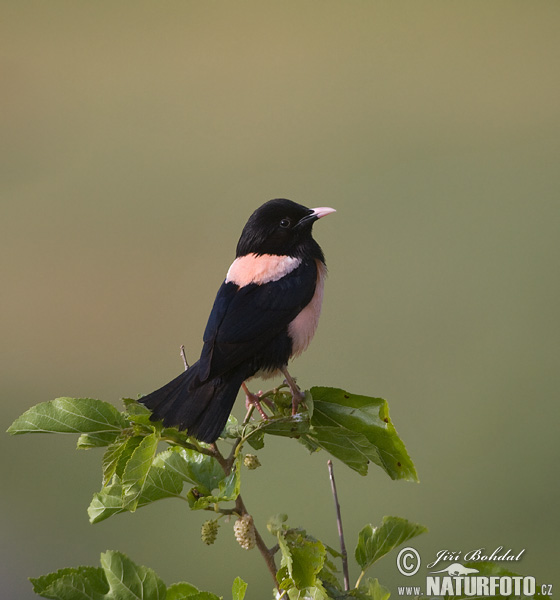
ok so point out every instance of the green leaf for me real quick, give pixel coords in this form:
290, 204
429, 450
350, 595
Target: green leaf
276, 523
308, 558
129, 581
232, 429
371, 588
179, 591
138, 414
86, 441
256, 441
286, 561
159, 484
186, 591
117, 456
80, 583
290, 426
136, 471
70, 415
204, 472
106, 503
374, 543
119, 578
228, 490
351, 447
356, 429
238, 589
310, 593
193, 467
302, 560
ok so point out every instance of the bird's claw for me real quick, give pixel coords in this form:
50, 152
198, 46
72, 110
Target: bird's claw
255, 401
297, 395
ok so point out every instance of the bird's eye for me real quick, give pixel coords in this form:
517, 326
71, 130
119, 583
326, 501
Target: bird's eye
285, 223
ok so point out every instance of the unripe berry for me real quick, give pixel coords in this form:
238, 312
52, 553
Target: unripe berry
209, 531
251, 461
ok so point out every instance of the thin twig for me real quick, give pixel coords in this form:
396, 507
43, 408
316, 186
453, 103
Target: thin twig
340, 532
234, 451
178, 441
184, 357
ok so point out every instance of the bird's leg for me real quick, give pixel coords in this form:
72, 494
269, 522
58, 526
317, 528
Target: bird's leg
297, 394
253, 400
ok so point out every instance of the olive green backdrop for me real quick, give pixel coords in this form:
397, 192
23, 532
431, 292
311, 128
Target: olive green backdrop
137, 137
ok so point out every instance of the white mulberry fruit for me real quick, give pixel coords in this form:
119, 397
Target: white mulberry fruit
244, 531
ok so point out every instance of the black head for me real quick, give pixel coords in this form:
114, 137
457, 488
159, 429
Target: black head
282, 227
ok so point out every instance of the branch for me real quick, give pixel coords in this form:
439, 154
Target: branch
267, 553
184, 357
340, 532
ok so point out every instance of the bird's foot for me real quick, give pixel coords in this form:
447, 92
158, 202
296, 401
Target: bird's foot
297, 395
254, 400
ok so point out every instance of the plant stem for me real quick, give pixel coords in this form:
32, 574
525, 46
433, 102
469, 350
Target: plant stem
241, 509
184, 357
340, 531
266, 553
360, 579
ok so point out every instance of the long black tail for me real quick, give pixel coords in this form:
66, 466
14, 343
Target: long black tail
202, 408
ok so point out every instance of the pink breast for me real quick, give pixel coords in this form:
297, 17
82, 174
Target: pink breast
260, 269
303, 327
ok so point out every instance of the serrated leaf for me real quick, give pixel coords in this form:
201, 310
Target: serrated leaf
256, 441
86, 441
291, 426
286, 558
276, 523
232, 429
80, 583
186, 591
238, 589
374, 543
308, 558
193, 467
159, 484
133, 407
303, 558
351, 447
353, 415
228, 490
70, 415
129, 581
310, 593
328, 576
106, 503
181, 591
136, 471
372, 589
117, 456
138, 414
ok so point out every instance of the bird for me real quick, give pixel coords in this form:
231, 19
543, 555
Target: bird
266, 312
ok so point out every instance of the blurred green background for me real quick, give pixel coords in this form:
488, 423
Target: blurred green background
136, 139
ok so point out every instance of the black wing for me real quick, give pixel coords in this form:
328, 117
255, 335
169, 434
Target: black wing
244, 320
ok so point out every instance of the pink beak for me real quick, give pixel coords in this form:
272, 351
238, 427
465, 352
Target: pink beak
322, 211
